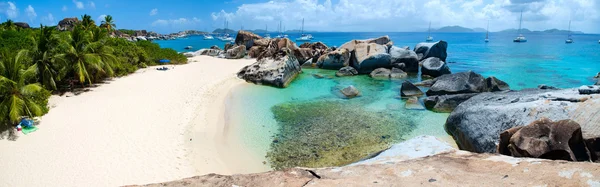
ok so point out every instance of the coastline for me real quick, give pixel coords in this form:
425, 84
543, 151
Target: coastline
130, 130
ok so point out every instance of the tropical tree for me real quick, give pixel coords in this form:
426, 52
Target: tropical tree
84, 57
17, 95
9, 25
87, 22
41, 57
108, 23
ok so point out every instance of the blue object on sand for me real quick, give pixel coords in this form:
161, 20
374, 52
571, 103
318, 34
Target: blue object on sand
164, 61
26, 123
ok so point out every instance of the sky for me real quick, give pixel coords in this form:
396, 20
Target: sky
166, 16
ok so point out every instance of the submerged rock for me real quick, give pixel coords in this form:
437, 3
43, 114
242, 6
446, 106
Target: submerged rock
404, 56
278, 72
346, 71
237, 52
334, 60
350, 92
397, 73
544, 138
409, 90
437, 49
246, 38
445, 103
412, 103
380, 73
477, 123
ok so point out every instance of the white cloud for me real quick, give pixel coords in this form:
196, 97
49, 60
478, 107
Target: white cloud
9, 9
101, 18
181, 22
64, 8
413, 15
48, 20
153, 12
92, 5
30, 13
78, 4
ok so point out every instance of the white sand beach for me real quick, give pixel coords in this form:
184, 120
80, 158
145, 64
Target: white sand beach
151, 126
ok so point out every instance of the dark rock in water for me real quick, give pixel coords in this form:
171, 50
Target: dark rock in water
476, 124
559, 140
400, 66
255, 51
334, 60
303, 54
380, 73
426, 83
589, 90
346, 71
370, 56
409, 90
237, 52
597, 75
413, 104
496, 85
546, 87
278, 72
228, 46
446, 103
458, 83
397, 73
215, 47
22, 25
318, 76
404, 56
434, 67
350, 92
246, 38
437, 49
597, 82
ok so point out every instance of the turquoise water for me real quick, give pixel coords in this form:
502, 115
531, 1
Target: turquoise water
545, 59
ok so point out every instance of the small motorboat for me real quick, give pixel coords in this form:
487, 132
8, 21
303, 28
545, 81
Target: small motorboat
188, 47
208, 37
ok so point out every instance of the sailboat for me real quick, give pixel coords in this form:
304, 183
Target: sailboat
487, 33
226, 37
207, 36
429, 38
267, 35
303, 37
520, 38
569, 39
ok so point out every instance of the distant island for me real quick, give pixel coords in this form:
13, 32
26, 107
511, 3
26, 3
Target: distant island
228, 31
459, 29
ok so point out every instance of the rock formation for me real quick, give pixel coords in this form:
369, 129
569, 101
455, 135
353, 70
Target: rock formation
237, 52
404, 56
434, 67
246, 38
278, 71
350, 92
437, 49
67, 24
334, 60
409, 90
346, 71
22, 25
464, 82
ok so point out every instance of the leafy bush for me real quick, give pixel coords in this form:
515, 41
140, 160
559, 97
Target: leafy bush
156, 53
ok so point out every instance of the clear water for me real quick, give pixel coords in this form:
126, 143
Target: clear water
544, 59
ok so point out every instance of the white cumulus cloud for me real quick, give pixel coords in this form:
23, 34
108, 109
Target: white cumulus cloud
30, 13
153, 12
177, 23
78, 4
92, 5
9, 9
48, 19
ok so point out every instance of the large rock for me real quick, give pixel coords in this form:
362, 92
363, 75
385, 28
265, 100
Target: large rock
314, 46
370, 56
380, 73
303, 54
277, 72
477, 123
228, 46
437, 49
255, 51
495, 85
404, 56
334, 60
346, 71
408, 90
445, 103
350, 92
434, 67
351, 45
215, 47
412, 103
22, 25
397, 73
262, 42
67, 24
209, 52
246, 38
237, 52
556, 140
458, 83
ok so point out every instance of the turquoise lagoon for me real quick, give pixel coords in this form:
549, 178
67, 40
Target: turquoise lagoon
545, 59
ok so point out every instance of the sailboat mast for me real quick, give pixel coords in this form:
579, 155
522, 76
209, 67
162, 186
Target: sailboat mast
487, 31
429, 30
569, 29
303, 26
520, 22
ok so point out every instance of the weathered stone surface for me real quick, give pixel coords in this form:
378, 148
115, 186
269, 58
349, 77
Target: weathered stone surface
412, 103
397, 73
477, 123
67, 24
547, 139
589, 90
597, 75
346, 71
434, 67
262, 42
215, 47
418, 162
408, 90
404, 56
228, 46
246, 38
445, 103
255, 51
597, 82
437, 49
22, 25
351, 45
314, 46
495, 85
370, 56
334, 60
350, 92
303, 54
546, 87
278, 72
208, 52
427, 83
458, 83
237, 52
380, 73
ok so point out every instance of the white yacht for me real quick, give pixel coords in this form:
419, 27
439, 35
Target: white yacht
520, 38
487, 33
429, 38
226, 37
304, 37
208, 37
569, 39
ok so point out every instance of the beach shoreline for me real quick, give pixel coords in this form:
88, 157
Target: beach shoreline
130, 130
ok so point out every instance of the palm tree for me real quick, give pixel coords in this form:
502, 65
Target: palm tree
87, 22
41, 57
84, 57
9, 25
16, 94
108, 23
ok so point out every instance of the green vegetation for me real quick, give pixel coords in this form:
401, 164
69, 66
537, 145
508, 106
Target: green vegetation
35, 62
331, 133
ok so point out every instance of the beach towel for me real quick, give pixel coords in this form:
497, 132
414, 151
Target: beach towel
28, 130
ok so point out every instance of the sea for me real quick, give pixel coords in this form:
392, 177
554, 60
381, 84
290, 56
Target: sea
544, 59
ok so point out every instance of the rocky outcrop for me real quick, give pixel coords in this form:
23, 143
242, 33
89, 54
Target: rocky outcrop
434, 67
255, 51
445, 103
408, 90
464, 82
228, 46
351, 45
237, 52
215, 47
397, 73
67, 24
207, 52
246, 38
314, 46
556, 140
495, 85
334, 60
477, 123
346, 71
350, 92
22, 25
404, 56
370, 56
437, 49
421, 161
380, 73
303, 54
274, 71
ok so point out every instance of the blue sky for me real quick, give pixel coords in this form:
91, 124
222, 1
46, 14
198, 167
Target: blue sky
321, 15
